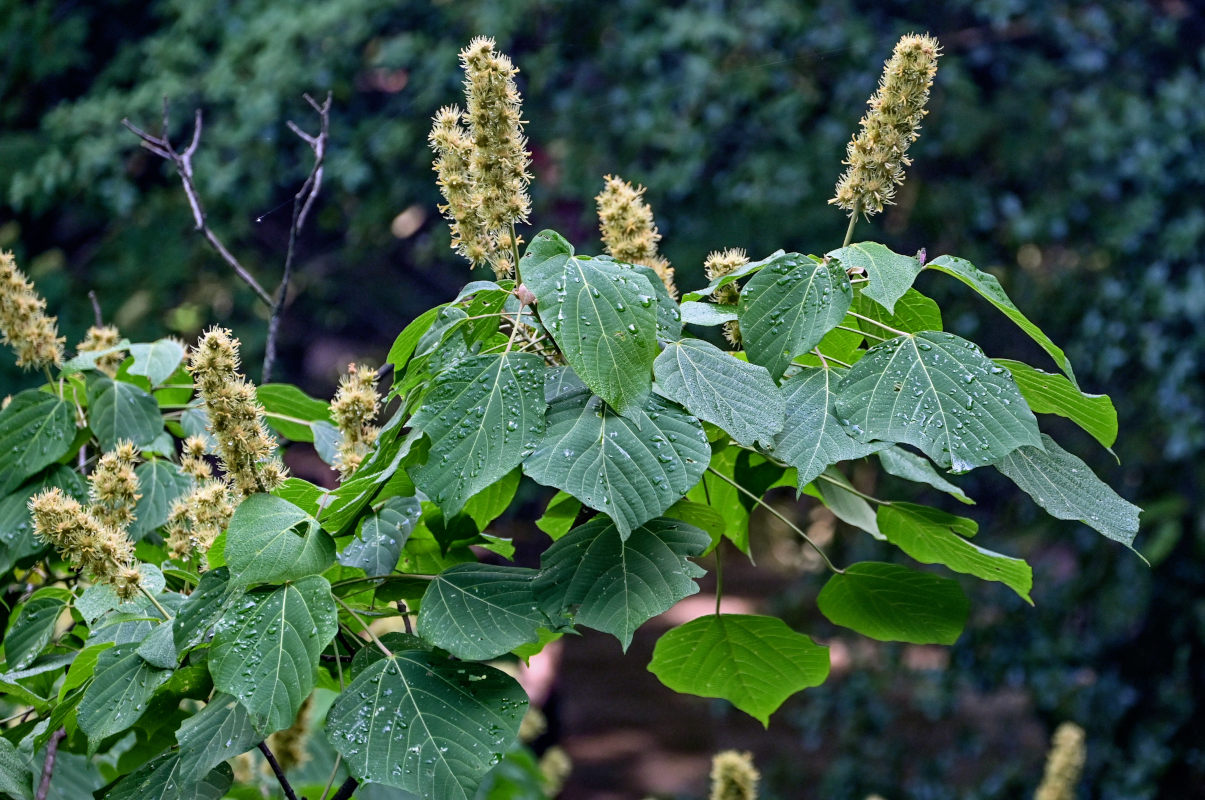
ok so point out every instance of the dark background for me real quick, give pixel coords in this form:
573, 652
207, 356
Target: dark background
1064, 151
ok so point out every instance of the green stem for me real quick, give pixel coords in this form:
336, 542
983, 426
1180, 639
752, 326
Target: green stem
719, 575
896, 331
825, 359
783, 519
849, 232
388, 653
383, 579
862, 333
155, 602
514, 250
851, 489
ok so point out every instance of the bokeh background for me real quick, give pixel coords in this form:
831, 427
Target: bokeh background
1064, 152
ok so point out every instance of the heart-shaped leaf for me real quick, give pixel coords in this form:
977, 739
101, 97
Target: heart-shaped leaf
480, 611
890, 274
270, 540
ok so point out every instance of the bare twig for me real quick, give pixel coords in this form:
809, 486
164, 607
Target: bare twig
96, 315
280, 773
303, 201
52, 750
346, 789
162, 147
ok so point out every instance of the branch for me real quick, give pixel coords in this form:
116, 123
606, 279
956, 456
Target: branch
162, 147
52, 750
280, 773
303, 201
346, 789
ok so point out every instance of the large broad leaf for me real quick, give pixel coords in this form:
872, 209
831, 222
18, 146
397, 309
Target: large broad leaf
753, 662
265, 650
989, 288
220, 730
156, 361
425, 723
914, 312
16, 778
118, 695
290, 411
118, 410
890, 274
480, 611
161, 779
613, 584
601, 314
378, 544
938, 392
631, 468
271, 540
895, 604
812, 439
1068, 489
160, 482
935, 537
33, 626
715, 386
1054, 394
36, 429
787, 307
913, 467
214, 595
483, 416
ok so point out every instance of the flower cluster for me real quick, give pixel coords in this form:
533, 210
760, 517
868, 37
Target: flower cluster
103, 337
733, 776
24, 323
113, 487
718, 264
1064, 764
877, 155
628, 231
354, 409
247, 452
195, 519
104, 551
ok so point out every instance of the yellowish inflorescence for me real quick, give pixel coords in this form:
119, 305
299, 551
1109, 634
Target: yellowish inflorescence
628, 231
877, 155
113, 487
24, 324
236, 419
196, 519
733, 776
1064, 764
482, 160
103, 551
718, 264
103, 337
354, 409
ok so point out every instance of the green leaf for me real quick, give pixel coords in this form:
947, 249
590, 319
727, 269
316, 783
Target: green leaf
839, 345
735, 275
701, 516
270, 540
488, 504
812, 439
219, 731
938, 392
1068, 489
156, 361
204, 607
707, 314
935, 537
480, 611
379, 542
601, 315
724, 498
16, 778
631, 468
913, 467
301, 493
914, 312
160, 779
483, 417
118, 694
1054, 394
560, 515
890, 274
159, 647
160, 482
33, 625
989, 288
895, 604
265, 650
118, 410
753, 662
787, 308
669, 316
840, 497
326, 438
289, 411
17, 541
407, 340
425, 723
36, 430
614, 583
83, 668
714, 386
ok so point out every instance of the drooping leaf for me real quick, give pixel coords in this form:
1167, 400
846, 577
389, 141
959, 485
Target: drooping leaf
895, 604
631, 468
714, 386
560, 515
1068, 489
290, 411
160, 779
480, 611
812, 439
118, 410
33, 625
601, 314
265, 650
989, 288
160, 482
914, 312
36, 429
935, 537
156, 361
615, 584
890, 274
1054, 394
913, 467
938, 392
483, 417
488, 504
787, 307
271, 540
219, 731
379, 542
707, 314
83, 668
427, 724
407, 340
840, 497
118, 695
753, 662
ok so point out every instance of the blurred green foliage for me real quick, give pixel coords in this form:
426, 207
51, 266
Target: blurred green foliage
1063, 147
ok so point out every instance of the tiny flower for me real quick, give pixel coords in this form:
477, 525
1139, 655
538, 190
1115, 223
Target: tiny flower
196, 519
103, 337
1064, 764
354, 409
718, 264
24, 325
113, 486
733, 776
103, 551
628, 231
